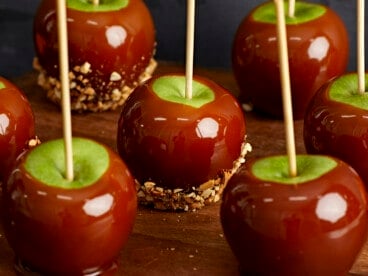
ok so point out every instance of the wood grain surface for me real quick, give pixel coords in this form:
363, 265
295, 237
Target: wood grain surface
164, 243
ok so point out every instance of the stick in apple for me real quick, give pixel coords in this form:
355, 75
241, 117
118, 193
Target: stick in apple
64, 77
285, 84
291, 12
190, 48
360, 43
96, 2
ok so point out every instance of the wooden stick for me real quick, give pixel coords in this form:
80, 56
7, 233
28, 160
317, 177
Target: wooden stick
285, 84
190, 48
64, 77
291, 12
360, 45
96, 2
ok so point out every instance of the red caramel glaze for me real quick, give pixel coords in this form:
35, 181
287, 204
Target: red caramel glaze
276, 229
16, 124
54, 231
255, 61
87, 41
165, 142
337, 129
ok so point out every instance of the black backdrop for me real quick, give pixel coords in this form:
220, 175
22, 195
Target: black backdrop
216, 24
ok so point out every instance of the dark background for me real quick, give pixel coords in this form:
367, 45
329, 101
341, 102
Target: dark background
216, 24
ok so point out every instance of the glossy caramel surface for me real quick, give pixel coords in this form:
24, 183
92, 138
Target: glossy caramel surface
318, 50
120, 41
16, 123
337, 129
57, 231
176, 145
314, 228
165, 243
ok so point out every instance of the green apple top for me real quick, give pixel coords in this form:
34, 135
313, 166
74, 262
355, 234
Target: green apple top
344, 89
275, 168
172, 89
304, 12
46, 163
105, 5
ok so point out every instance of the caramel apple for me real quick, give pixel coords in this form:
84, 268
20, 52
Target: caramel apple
111, 48
181, 150
61, 227
311, 224
318, 50
336, 123
294, 214
16, 124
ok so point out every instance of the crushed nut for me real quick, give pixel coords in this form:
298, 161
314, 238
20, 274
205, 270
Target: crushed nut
247, 107
89, 91
85, 68
116, 95
209, 184
80, 84
115, 76
207, 193
149, 185
34, 142
193, 198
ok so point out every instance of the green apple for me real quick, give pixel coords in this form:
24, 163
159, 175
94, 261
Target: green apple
304, 12
280, 225
344, 90
54, 224
318, 47
46, 163
336, 123
180, 143
103, 6
275, 168
172, 89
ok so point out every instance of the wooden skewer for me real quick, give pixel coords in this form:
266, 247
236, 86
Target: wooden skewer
190, 48
285, 84
64, 77
360, 45
96, 2
291, 12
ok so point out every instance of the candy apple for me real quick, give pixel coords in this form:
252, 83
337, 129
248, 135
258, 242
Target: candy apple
173, 145
318, 50
16, 123
336, 123
311, 224
111, 48
61, 227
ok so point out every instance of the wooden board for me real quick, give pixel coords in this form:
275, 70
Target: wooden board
165, 243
